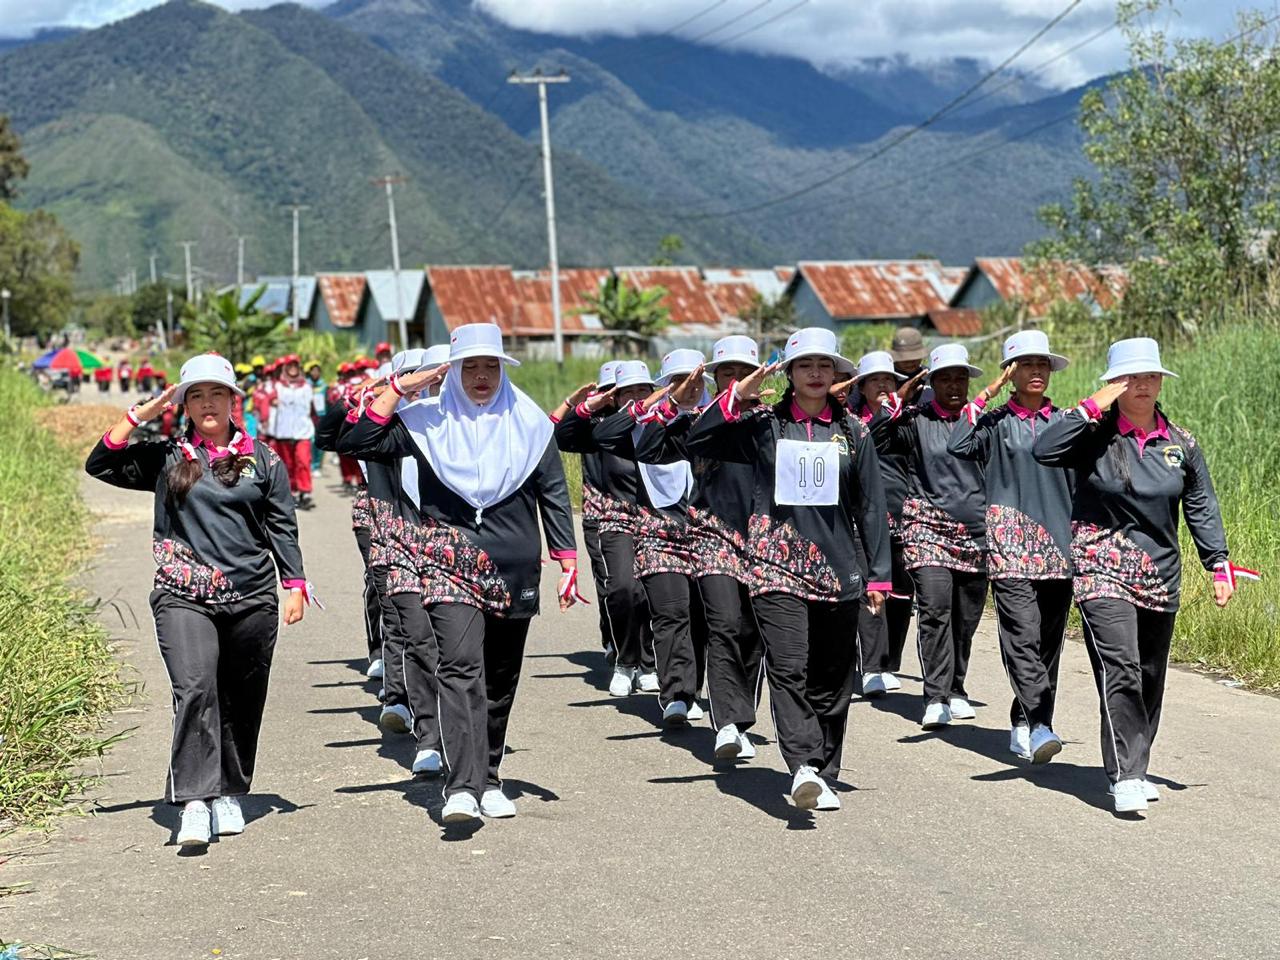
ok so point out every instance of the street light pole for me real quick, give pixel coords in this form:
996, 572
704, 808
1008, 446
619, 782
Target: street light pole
389, 182
168, 312
4, 296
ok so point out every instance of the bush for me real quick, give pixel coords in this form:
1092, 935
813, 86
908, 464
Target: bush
57, 675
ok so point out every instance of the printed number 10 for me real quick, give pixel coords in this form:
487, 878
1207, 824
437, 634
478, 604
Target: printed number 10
819, 472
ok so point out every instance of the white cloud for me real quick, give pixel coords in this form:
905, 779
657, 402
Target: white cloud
825, 32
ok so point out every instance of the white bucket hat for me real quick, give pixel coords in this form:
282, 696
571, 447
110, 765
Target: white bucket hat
632, 373
407, 361
951, 355
435, 355
206, 368
815, 342
608, 374
478, 340
878, 361
734, 349
1128, 357
679, 363
1031, 343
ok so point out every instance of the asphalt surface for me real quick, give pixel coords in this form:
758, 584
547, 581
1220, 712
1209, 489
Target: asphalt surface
628, 842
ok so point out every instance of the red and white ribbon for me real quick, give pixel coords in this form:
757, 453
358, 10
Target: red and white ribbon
1229, 572
569, 587
893, 403
395, 385
308, 591
971, 411
132, 416
188, 450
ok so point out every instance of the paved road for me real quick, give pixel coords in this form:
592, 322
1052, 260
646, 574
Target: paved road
628, 844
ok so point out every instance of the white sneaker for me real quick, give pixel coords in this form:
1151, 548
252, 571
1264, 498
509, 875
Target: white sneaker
228, 818
496, 804
1020, 741
194, 830
1045, 744
728, 742
375, 670
827, 799
427, 761
648, 683
1149, 790
806, 788
891, 682
936, 715
676, 714
873, 686
395, 719
460, 808
961, 709
748, 751
623, 681
1130, 795
695, 712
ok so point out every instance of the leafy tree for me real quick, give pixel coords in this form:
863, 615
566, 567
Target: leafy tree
770, 321
669, 247
1187, 151
13, 166
326, 347
37, 263
107, 315
150, 305
632, 314
236, 332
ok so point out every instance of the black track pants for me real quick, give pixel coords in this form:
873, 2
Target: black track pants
480, 659
1032, 616
218, 657
420, 660
669, 605
735, 656
591, 537
372, 606
810, 657
393, 642
883, 637
1129, 650
625, 597
949, 609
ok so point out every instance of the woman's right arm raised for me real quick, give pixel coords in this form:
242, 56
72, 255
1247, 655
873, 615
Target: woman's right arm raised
136, 467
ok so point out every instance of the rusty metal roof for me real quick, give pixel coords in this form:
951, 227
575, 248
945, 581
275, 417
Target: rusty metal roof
687, 297
956, 321
533, 315
878, 289
1037, 287
733, 299
474, 295
343, 295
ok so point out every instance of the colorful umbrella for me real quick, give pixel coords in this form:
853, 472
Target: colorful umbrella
68, 359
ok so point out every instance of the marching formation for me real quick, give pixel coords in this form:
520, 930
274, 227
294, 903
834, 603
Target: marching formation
738, 535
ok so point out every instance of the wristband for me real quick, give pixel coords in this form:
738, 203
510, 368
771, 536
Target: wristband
132, 417
395, 385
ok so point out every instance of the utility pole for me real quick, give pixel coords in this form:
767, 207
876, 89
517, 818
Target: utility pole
389, 182
293, 287
239, 265
186, 246
168, 310
152, 257
542, 80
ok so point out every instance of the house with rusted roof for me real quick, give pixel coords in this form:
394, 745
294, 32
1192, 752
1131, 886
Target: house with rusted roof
690, 306
734, 289
385, 306
469, 294
834, 294
1017, 281
342, 306
534, 319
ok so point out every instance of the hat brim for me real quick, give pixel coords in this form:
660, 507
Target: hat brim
911, 353
181, 393
901, 377
633, 383
1116, 373
1057, 362
843, 364
466, 353
667, 378
712, 365
973, 371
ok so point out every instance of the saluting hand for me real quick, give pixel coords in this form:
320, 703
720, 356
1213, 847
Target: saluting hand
995, 386
689, 391
840, 391
156, 405
598, 401
913, 386
1109, 394
655, 398
749, 387
580, 394
421, 378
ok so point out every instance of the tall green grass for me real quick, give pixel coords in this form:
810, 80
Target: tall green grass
57, 675
1226, 385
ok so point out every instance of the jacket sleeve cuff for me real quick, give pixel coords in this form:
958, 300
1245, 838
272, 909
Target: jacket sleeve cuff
353, 415
377, 417
294, 584
111, 444
1090, 409
564, 554
582, 411
880, 586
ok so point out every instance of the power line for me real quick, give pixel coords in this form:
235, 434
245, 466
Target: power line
662, 56
762, 24
893, 142
697, 16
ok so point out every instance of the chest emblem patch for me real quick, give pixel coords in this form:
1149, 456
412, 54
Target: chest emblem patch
1174, 456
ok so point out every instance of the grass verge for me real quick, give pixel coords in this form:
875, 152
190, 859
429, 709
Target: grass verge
58, 678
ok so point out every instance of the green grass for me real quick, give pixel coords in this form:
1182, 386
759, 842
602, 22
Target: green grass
548, 384
57, 676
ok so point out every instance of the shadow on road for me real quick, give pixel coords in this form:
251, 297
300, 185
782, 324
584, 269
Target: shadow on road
764, 789
596, 672
164, 814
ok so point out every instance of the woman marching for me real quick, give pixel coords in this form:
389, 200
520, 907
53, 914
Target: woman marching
943, 530
487, 468
719, 512
818, 547
1028, 535
224, 530
664, 562
1134, 469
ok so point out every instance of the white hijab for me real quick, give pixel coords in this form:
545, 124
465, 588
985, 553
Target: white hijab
665, 483
482, 452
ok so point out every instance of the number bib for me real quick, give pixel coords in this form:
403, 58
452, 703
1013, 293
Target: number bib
807, 474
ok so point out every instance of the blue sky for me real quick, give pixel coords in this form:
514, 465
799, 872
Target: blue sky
826, 32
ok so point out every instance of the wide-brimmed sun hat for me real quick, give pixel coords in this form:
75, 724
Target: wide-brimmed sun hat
951, 355
608, 375
877, 361
478, 340
1127, 358
1031, 343
815, 342
734, 349
206, 368
908, 344
435, 355
632, 373
679, 363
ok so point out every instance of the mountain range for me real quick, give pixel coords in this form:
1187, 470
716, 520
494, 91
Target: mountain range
186, 122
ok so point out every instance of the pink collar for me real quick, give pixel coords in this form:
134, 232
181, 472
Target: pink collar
799, 416
1128, 428
241, 445
1022, 413
937, 408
